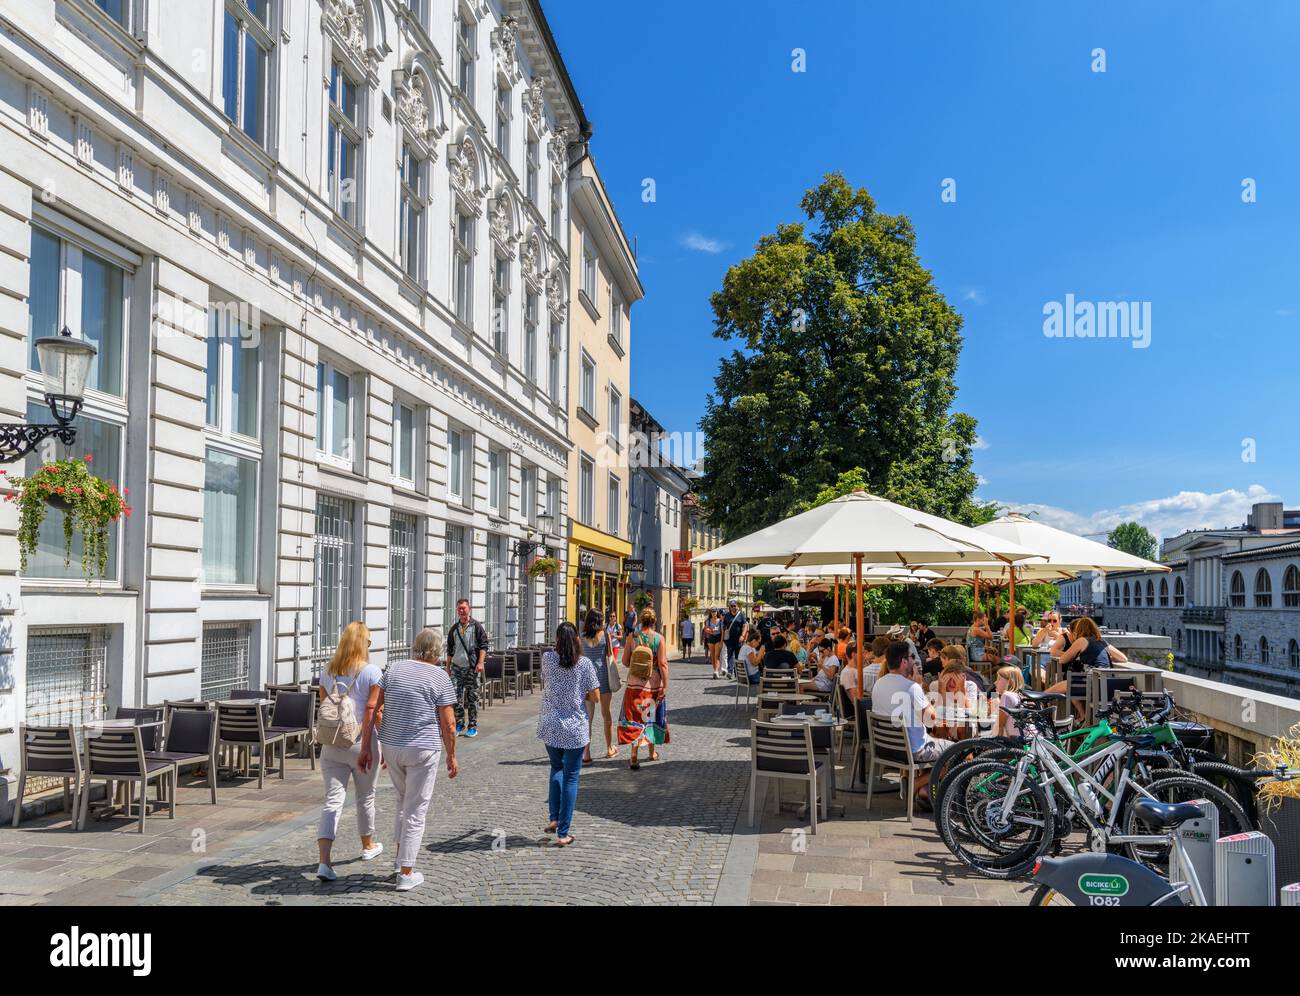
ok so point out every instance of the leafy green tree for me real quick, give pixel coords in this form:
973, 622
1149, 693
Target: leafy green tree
1134, 538
845, 362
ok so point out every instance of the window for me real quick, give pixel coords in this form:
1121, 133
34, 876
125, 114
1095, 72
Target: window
553, 502
587, 399
553, 374
588, 270
1126, 593
1237, 591
498, 475
465, 53
1291, 587
245, 58
116, 9
532, 169
530, 337
401, 585
234, 372
528, 493
334, 413
229, 519
102, 442
1178, 593
614, 506
1293, 654
586, 490
501, 304
1151, 594
557, 204
333, 601
224, 659
464, 268
1263, 650
1236, 646
494, 608
456, 564
344, 143
615, 417
1263, 590
503, 120
404, 443
72, 287
415, 187
460, 474
616, 317
1164, 593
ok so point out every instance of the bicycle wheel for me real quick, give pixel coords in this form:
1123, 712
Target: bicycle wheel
1045, 895
974, 828
1240, 783
1178, 788
957, 755
1003, 755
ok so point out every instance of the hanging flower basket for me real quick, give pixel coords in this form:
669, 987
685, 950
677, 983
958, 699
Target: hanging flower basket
643, 600
89, 505
543, 567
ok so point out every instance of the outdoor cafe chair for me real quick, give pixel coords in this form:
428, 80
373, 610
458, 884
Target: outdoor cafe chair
190, 742
244, 727
49, 752
117, 755
785, 753
293, 717
888, 746
148, 714
512, 676
741, 679
493, 676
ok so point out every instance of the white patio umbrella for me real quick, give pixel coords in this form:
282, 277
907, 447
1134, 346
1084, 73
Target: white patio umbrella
867, 530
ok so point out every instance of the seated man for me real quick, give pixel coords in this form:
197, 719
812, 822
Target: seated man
751, 657
780, 655
898, 696
827, 665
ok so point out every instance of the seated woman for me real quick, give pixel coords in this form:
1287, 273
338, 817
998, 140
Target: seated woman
932, 665
954, 693
1087, 650
827, 666
978, 637
751, 656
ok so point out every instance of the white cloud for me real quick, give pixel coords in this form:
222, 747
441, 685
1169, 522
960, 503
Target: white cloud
974, 295
981, 480
980, 443
702, 243
1165, 517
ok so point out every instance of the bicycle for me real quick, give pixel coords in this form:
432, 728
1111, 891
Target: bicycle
999, 818
1114, 880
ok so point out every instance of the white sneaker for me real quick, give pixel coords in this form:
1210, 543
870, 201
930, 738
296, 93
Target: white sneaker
325, 873
372, 852
405, 883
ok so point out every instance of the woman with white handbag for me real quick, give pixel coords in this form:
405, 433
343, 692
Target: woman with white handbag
597, 648
344, 690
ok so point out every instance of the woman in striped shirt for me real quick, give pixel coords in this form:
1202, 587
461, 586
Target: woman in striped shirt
417, 700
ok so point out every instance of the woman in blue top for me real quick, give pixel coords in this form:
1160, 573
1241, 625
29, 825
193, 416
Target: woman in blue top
569, 682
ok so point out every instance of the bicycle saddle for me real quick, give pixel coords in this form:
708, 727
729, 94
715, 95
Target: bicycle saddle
1163, 815
1041, 697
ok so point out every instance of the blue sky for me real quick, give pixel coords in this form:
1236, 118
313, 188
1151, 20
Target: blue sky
1117, 186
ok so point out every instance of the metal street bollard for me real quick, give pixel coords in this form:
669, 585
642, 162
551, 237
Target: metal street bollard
1290, 895
1198, 837
1243, 870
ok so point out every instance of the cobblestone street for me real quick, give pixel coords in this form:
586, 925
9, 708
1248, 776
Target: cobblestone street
660, 835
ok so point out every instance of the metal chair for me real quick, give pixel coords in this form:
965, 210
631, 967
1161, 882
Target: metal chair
191, 741
493, 676
118, 755
151, 715
786, 753
889, 746
244, 727
294, 718
49, 752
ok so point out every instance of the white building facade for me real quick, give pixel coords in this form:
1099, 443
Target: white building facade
320, 246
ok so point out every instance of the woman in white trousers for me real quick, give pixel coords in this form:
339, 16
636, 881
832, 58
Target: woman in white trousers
416, 700
349, 673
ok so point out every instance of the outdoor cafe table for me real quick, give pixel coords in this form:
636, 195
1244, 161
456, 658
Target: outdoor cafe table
1037, 659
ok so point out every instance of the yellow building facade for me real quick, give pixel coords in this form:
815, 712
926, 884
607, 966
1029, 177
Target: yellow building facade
603, 287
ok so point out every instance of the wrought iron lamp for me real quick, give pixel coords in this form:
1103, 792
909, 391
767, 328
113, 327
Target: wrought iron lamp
65, 366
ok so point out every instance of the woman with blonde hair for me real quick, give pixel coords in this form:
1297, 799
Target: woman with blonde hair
416, 700
644, 716
348, 676
954, 692
1008, 685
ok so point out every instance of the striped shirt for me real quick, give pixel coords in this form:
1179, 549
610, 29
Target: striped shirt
413, 693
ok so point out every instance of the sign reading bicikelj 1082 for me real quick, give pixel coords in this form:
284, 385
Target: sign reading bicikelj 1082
1095, 884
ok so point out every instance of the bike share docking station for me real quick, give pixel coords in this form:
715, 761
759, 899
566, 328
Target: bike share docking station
1233, 871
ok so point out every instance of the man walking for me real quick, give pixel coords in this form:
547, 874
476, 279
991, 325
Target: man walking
735, 629
467, 647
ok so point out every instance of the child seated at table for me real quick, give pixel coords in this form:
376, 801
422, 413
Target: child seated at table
1008, 686
932, 665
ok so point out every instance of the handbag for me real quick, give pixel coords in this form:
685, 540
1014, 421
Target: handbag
615, 682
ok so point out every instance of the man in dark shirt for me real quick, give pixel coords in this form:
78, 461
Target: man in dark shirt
779, 656
765, 624
735, 629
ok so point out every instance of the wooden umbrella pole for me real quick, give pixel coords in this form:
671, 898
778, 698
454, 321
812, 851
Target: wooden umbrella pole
835, 605
977, 591
860, 633
1011, 607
